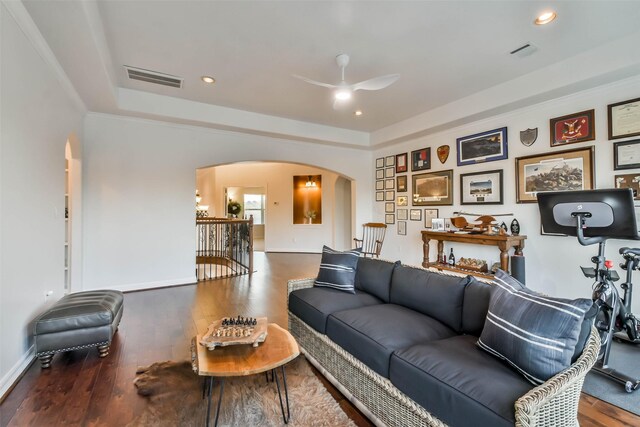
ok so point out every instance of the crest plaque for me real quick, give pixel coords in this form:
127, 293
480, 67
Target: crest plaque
443, 153
529, 136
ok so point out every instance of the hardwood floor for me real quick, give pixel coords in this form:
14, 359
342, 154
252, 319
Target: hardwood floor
82, 390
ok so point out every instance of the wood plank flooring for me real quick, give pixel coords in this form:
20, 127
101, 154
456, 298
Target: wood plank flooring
81, 389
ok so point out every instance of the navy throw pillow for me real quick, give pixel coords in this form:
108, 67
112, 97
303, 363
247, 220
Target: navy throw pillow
534, 333
338, 269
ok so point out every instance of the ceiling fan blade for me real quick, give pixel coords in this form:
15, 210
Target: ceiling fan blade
376, 83
313, 82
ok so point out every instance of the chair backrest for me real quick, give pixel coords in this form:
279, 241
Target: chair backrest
372, 238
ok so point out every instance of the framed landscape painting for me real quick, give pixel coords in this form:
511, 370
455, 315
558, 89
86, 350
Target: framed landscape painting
434, 188
556, 171
481, 188
482, 147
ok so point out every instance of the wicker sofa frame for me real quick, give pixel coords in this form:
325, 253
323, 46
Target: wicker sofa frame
552, 404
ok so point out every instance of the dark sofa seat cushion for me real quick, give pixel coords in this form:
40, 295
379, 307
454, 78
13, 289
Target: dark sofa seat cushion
313, 305
437, 295
458, 382
372, 333
374, 276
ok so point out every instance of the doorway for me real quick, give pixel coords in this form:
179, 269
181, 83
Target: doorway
270, 190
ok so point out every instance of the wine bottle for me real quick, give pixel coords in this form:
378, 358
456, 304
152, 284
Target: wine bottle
452, 258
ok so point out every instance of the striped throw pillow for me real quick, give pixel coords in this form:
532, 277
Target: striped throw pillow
338, 269
534, 333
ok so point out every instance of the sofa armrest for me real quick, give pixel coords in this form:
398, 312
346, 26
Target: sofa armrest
560, 394
296, 284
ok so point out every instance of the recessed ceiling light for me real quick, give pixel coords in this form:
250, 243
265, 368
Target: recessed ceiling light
545, 18
357, 112
208, 79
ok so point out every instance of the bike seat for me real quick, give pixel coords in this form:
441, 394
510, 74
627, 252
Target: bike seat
634, 251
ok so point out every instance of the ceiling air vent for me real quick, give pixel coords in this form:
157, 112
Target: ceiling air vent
153, 77
524, 50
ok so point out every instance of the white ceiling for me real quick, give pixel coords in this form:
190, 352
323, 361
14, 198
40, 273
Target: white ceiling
444, 51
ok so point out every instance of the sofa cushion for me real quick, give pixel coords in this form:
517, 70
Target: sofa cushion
475, 305
372, 333
313, 305
374, 276
458, 383
338, 269
535, 333
437, 295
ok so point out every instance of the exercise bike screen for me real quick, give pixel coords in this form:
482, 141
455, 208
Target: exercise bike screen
612, 212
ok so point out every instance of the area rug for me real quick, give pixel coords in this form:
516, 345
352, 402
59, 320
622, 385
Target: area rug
626, 359
174, 398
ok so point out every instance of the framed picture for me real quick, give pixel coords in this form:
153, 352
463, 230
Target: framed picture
389, 219
626, 154
379, 196
389, 195
402, 201
630, 180
389, 184
389, 173
555, 171
401, 183
402, 227
577, 127
389, 161
421, 159
437, 224
389, 207
401, 163
429, 215
379, 173
379, 185
403, 214
433, 188
481, 188
415, 214
482, 147
379, 162
624, 119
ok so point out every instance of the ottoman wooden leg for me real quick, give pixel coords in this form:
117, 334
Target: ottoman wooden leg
45, 360
104, 350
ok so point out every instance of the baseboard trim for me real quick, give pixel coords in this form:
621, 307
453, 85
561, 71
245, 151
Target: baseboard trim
16, 372
154, 285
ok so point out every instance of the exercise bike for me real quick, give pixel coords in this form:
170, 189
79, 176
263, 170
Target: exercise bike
602, 214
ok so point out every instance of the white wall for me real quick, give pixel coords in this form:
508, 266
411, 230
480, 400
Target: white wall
552, 263
37, 117
281, 235
139, 193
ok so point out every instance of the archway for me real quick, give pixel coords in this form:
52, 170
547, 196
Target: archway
281, 234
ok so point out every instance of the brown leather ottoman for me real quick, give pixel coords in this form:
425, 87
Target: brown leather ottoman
78, 320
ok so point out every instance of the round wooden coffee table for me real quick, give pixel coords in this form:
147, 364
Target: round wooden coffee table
241, 360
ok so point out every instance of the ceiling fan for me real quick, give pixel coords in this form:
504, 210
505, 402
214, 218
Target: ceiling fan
344, 91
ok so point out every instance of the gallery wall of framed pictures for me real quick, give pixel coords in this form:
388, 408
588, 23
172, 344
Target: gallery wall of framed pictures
412, 183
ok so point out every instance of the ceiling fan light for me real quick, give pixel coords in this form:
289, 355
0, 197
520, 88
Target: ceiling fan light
342, 94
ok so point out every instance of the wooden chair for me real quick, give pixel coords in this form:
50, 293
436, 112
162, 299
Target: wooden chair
372, 238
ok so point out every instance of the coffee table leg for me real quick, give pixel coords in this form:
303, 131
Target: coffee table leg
287, 417
210, 393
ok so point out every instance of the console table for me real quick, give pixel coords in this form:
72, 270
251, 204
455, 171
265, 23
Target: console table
504, 243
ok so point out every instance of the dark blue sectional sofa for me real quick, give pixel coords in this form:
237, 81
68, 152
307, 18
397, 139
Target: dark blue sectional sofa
403, 349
